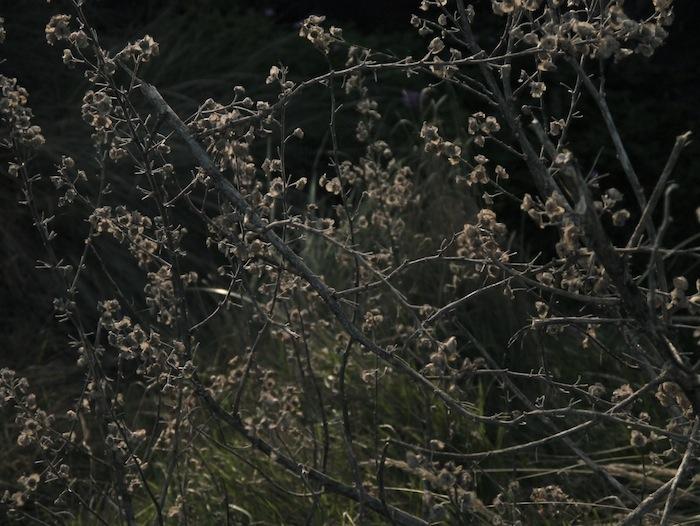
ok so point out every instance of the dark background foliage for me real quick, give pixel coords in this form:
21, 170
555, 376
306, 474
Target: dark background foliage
211, 45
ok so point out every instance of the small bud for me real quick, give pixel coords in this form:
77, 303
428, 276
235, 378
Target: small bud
436, 45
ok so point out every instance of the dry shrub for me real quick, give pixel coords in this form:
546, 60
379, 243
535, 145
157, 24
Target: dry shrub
314, 347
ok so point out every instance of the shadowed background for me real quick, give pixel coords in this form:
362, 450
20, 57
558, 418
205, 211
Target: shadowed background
208, 46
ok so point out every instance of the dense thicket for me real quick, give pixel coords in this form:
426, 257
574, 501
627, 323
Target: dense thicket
261, 269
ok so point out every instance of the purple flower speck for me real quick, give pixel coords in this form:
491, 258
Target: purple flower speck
410, 98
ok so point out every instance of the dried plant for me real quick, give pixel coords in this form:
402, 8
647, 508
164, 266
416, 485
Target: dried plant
354, 379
